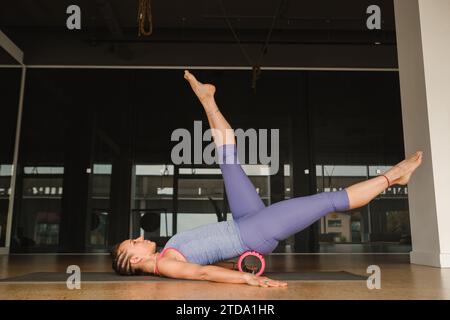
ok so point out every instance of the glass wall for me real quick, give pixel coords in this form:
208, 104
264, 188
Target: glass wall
389, 213
10, 79
353, 142
349, 227
39, 224
152, 211
40, 172
380, 226
95, 161
200, 197
100, 206
68, 151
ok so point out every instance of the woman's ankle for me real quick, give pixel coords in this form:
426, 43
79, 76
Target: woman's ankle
209, 105
392, 175
212, 111
207, 100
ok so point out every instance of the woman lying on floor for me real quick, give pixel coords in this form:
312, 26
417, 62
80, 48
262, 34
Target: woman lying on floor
255, 227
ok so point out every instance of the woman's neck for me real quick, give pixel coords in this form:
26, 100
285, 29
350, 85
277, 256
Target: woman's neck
148, 266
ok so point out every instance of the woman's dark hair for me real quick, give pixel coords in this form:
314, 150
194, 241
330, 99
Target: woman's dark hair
121, 261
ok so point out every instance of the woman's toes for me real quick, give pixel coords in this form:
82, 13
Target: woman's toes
188, 76
420, 155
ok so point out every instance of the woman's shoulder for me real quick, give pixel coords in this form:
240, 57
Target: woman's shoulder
168, 254
172, 253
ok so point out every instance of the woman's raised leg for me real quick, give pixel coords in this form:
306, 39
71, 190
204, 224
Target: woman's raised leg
262, 231
241, 193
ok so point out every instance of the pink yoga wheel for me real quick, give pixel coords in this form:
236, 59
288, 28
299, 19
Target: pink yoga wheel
252, 262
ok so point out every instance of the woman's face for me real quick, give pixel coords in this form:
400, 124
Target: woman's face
138, 247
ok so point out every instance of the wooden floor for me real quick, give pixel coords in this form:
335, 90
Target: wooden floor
399, 280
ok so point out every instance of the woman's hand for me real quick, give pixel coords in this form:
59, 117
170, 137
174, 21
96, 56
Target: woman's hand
263, 281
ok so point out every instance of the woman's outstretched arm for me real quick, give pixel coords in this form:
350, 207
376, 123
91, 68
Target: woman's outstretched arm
185, 270
226, 264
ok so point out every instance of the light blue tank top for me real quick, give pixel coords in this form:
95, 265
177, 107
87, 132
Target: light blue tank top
209, 243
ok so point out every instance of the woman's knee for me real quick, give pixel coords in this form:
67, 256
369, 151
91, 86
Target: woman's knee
339, 200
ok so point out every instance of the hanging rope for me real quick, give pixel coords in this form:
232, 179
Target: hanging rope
269, 34
236, 38
256, 67
145, 18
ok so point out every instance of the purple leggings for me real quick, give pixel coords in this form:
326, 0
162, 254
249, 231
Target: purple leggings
262, 227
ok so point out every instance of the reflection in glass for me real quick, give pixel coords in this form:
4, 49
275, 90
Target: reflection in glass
187, 221
40, 209
152, 209
200, 200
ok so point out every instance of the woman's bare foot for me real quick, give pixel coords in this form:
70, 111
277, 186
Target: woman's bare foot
401, 172
203, 91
